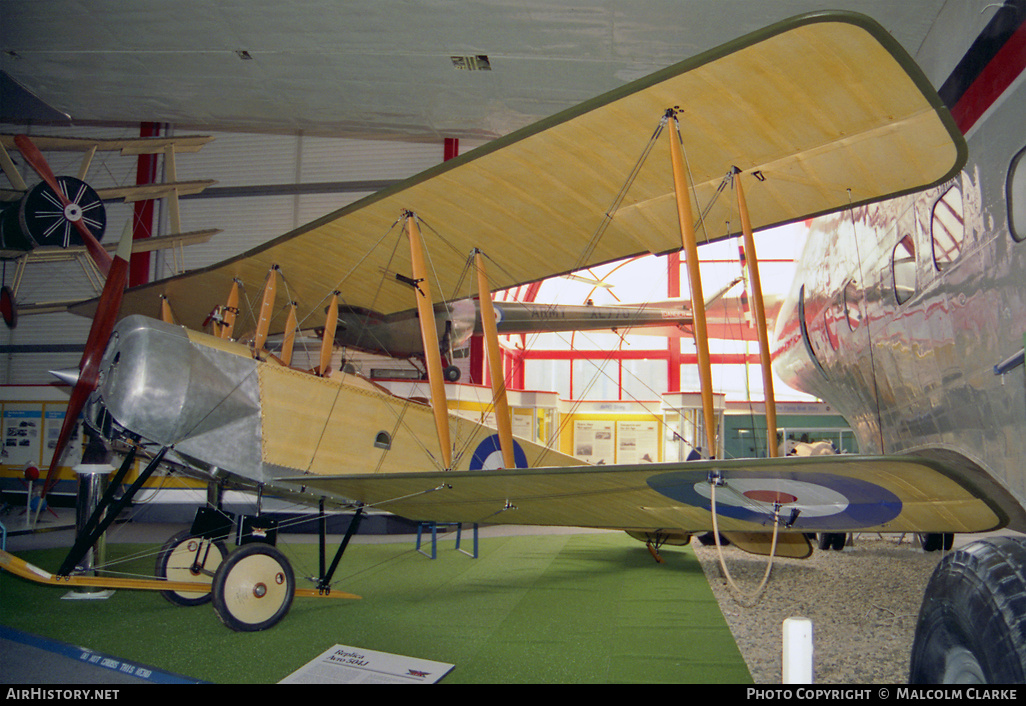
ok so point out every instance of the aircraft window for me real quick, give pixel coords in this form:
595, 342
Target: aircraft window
904, 266
947, 228
852, 306
383, 440
1017, 197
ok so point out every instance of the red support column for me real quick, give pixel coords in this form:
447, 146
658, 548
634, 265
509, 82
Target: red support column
450, 149
477, 371
673, 342
142, 218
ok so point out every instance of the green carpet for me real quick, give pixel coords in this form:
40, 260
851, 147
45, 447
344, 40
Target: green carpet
548, 608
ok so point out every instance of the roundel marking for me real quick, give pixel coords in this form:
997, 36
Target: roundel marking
488, 455
770, 496
825, 501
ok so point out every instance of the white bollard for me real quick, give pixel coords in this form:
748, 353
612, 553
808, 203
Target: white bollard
797, 658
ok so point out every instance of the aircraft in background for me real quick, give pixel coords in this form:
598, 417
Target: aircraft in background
38, 224
807, 138
398, 335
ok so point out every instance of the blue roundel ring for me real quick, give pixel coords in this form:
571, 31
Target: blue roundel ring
485, 458
825, 501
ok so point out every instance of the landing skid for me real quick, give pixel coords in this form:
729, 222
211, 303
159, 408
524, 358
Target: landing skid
20, 567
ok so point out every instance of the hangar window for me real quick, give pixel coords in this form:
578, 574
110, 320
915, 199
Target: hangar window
904, 268
1016, 196
947, 228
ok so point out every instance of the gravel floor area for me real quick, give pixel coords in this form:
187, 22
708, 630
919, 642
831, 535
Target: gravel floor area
863, 602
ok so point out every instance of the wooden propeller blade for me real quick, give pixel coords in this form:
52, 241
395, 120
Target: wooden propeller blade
35, 159
89, 366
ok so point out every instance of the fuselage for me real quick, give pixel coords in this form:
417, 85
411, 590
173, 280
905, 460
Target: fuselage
398, 335
903, 313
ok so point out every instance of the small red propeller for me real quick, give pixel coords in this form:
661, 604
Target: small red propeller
116, 270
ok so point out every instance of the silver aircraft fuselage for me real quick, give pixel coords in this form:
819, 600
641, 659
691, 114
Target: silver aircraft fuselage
908, 315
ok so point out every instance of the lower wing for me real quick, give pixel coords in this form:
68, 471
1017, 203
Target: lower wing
812, 494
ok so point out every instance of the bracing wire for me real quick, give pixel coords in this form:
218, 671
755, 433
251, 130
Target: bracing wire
753, 596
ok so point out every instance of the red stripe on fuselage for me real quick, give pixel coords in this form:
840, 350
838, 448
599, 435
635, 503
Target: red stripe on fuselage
993, 80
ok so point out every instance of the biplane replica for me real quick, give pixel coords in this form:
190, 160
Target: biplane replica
819, 114
43, 222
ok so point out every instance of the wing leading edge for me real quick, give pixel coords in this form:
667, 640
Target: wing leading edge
824, 109
813, 494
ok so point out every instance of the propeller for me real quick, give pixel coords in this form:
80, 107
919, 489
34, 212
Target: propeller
34, 158
116, 271
99, 333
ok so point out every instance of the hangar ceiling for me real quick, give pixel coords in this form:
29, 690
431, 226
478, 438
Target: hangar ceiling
409, 69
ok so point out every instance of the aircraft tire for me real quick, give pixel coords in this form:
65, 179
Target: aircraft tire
832, 540
451, 373
708, 539
934, 541
253, 588
175, 560
972, 624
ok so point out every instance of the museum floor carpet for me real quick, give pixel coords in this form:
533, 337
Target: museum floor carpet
558, 608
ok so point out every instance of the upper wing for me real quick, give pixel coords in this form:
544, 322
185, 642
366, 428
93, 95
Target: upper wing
814, 494
828, 110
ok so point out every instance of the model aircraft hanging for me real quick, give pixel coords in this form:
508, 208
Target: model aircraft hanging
43, 223
807, 114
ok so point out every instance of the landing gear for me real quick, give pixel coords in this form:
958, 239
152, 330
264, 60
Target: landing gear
188, 558
655, 540
972, 624
933, 541
253, 588
832, 540
451, 373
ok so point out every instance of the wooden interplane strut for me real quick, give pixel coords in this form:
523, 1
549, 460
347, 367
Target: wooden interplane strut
429, 336
690, 243
328, 340
266, 310
289, 340
759, 309
503, 421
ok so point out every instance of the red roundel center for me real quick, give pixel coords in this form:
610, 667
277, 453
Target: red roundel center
770, 496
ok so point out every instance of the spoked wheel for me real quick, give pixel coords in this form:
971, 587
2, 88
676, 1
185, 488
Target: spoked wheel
254, 588
188, 558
